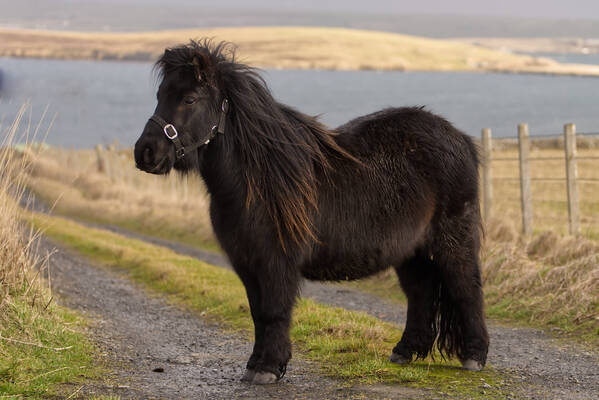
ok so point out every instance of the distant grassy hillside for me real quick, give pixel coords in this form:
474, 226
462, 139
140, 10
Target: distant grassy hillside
288, 47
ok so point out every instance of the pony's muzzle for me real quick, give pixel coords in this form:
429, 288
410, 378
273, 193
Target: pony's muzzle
152, 154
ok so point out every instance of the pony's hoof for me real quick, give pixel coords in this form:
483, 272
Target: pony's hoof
472, 365
399, 359
248, 376
264, 378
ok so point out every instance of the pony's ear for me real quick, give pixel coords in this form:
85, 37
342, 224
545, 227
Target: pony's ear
204, 70
167, 53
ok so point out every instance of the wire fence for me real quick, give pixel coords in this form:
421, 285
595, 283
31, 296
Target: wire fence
538, 185
553, 177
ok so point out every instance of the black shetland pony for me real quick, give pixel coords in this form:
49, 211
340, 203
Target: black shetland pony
291, 199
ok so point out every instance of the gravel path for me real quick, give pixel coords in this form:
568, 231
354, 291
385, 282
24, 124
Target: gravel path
141, 334
542, 366
139, 328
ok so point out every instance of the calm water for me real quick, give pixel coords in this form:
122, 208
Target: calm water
99, 102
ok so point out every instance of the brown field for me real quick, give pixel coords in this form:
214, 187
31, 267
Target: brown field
289, 47
549, 278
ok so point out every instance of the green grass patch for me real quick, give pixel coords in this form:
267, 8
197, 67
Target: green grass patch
347, 344
162, 231
41, 350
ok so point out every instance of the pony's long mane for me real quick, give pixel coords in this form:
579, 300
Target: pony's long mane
283, 152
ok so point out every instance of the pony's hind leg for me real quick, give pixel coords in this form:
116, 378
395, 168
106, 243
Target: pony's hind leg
462, 328
419, 280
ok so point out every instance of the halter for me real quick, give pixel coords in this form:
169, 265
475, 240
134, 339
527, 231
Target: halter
171, 132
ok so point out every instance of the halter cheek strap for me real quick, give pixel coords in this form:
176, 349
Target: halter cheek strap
171, 132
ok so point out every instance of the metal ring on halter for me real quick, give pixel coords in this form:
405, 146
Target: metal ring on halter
212, 134
174, 135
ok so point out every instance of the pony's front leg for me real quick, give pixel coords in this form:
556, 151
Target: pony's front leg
253, 293
278, 290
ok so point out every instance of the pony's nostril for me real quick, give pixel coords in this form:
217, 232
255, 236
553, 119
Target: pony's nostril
148, 156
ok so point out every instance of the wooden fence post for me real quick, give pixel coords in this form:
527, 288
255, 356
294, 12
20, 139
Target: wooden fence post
487, 176
108, 158
102, 161
525, 189
571, 177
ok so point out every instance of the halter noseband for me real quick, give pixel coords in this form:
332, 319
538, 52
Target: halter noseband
171, 132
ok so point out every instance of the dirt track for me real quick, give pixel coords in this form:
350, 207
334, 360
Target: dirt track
140, 333
136, 330
543, 367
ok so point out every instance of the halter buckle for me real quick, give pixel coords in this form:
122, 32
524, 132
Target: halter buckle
174, 134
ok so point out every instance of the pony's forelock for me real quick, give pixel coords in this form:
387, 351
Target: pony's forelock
213, 53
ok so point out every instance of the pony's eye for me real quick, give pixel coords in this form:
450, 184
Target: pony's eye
189, 100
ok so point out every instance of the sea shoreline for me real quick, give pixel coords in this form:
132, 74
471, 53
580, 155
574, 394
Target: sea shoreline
298, 48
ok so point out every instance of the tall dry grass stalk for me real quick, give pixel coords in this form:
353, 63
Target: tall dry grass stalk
38, 351
18, 278
548, 278
551, 277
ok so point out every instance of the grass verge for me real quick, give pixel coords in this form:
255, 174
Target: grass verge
548, 281
43, 352
349, 345
43, 349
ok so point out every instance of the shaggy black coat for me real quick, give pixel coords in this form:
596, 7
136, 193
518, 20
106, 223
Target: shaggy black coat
291, 199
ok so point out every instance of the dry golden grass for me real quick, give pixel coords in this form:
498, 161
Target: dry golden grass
550, 200
38, 351
289, 47
172, 207
549, 278
546, 279
16, 275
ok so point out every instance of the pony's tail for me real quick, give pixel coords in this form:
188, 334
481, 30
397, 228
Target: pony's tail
444, 314
444, 324
448, 329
